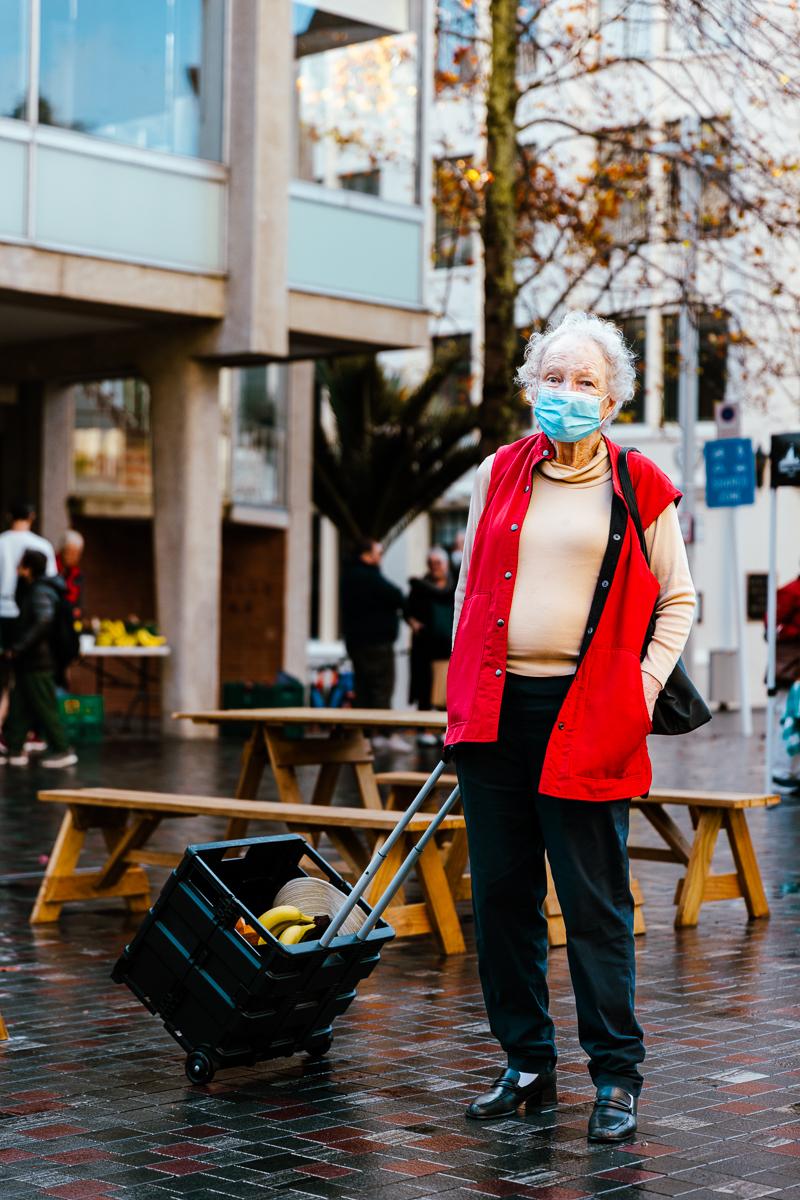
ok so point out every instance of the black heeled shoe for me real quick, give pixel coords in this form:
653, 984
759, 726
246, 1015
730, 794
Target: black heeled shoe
506, 1096
613, 1117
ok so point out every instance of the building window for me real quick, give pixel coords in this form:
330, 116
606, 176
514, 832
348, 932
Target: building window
622, 187
258, 437
445, 524
456, 33
14, 22
368, 183
147, 73
625, 27
711, 143
456, 391
111, 439
712, 363
634, 330
356, 98
454, 208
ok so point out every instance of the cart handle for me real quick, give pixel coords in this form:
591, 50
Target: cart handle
408, 862
361, 885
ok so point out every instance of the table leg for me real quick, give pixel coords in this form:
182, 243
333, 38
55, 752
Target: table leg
120, 842
351, 848
693, 886
144, 681
324, 788
254, 760
367, 785
439, 901
62, 863
746, 863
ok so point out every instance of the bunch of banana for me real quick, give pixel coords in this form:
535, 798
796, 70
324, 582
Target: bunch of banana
115, 633
111, 632
145, 638
287, 923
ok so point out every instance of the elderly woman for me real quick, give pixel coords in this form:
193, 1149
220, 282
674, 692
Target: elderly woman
551, 692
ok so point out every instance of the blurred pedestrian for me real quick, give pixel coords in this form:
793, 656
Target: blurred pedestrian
33, 697
457, 553
18, 538
68, 562
786, 770
429, 611
371, 608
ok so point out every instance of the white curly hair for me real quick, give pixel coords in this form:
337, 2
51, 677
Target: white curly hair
619, 357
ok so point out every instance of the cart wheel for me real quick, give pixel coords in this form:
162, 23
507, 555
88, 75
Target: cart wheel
320, 1048
199, 1067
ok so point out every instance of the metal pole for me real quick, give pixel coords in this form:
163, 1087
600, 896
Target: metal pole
360, 886
688, 345
772, 627
745, 711
404, 869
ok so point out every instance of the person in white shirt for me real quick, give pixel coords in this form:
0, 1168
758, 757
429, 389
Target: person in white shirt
18, 538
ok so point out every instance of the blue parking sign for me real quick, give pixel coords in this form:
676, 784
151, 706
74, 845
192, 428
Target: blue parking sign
730, 472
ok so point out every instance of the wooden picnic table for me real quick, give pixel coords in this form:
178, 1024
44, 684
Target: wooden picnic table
344, 744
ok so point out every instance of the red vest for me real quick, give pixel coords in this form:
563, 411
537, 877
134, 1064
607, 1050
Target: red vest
598, 749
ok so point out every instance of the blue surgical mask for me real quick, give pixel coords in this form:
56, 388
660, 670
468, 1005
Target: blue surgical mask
567, 416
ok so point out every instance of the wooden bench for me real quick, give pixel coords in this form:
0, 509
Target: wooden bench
128, 819
404, 785
710, 812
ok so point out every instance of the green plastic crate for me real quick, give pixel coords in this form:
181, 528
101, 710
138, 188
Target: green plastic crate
288, 694
82, 717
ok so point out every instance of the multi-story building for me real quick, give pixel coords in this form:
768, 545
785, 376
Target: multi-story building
198, 200
673, 80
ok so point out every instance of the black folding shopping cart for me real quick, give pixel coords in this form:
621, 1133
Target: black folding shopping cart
228, 1003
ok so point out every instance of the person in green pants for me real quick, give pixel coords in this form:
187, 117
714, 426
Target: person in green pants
33, 700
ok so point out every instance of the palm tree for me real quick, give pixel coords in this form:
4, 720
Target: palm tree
384, 451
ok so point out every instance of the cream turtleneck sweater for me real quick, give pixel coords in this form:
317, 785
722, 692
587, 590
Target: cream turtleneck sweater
562, 542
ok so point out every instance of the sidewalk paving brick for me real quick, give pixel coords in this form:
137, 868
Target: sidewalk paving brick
95, 1104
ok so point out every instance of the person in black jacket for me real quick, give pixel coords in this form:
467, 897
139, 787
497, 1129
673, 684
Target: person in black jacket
33, 699
371, 608
429, 612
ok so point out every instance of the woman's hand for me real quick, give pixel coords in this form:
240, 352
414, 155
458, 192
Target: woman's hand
415, 624
651, 689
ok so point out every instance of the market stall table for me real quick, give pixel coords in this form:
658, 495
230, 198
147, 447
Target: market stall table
134, 661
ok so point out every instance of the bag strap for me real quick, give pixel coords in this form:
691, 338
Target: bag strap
630, 497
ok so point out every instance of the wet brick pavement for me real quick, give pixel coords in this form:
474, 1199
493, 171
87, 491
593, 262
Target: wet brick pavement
94, 1103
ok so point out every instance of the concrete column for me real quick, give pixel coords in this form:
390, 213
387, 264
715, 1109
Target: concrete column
185, 422
58, 422
328, 581
259, 155
297, 585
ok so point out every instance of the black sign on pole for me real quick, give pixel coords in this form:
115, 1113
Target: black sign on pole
756, 596
784, 460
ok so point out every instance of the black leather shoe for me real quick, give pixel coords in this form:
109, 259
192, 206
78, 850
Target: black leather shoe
506, 1095
613, 1118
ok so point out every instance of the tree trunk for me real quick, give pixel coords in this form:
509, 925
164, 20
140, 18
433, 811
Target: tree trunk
499, 225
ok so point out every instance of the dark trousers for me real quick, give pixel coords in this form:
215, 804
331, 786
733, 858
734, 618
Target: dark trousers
33, 705
8, 627
510, 825
373, 668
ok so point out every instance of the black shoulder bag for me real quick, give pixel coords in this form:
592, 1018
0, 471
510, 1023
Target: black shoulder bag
679, 708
